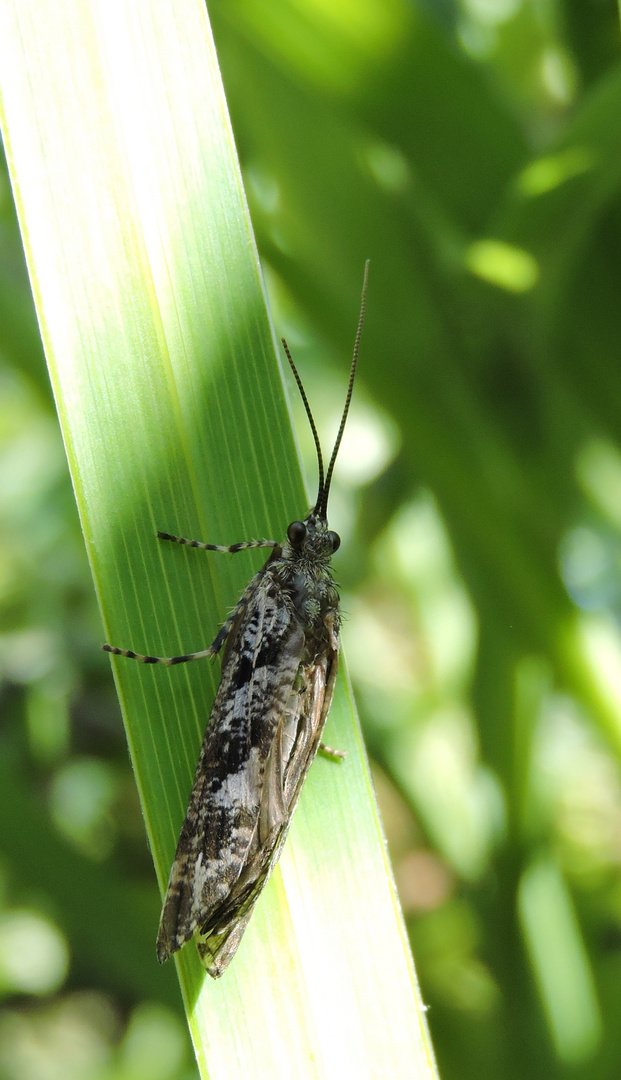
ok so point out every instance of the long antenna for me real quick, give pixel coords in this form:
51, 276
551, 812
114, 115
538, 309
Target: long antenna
324, 488
309, 414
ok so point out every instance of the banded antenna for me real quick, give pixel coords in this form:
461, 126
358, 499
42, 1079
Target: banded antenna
321, 505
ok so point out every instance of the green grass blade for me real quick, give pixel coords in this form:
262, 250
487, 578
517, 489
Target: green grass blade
171, 401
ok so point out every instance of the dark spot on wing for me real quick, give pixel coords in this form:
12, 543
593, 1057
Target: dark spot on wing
243, 671
269, 652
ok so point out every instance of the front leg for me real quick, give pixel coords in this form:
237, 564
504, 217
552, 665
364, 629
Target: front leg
243, 545
223, 632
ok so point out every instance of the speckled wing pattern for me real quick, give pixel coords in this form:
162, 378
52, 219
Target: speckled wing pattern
264, 731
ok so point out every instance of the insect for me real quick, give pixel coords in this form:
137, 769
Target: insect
279, 663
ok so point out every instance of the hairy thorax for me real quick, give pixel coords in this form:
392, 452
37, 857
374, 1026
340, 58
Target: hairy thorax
302, 572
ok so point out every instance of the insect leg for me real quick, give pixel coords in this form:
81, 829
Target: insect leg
244, 545
328, 752
168, 661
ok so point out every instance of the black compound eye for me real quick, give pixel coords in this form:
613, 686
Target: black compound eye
335, 540
296, 532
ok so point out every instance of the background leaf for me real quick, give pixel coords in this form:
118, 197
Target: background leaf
471, 151
174, 417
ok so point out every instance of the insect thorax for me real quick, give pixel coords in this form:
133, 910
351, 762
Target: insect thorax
301, 569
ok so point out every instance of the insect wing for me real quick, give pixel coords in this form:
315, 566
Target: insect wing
222, 827
294, 747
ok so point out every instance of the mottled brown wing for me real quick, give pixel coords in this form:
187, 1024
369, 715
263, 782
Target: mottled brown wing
294, 747
261, 663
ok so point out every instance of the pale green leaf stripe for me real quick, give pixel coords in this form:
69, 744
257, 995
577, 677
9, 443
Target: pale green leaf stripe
171, 402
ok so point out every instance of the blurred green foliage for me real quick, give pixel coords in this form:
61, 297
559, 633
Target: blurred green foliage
473, 151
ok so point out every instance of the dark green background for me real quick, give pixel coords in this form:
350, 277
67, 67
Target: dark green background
405, 133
